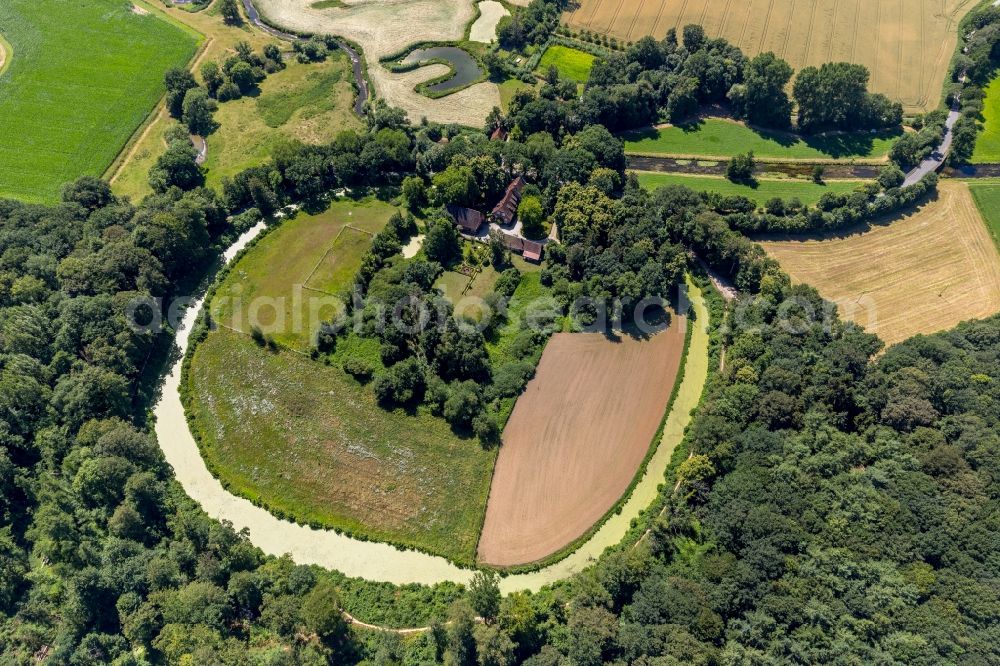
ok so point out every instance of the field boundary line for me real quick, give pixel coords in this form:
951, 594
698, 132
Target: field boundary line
323, 258
328, 251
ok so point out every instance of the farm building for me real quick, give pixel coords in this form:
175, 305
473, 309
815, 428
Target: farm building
469, 221
530, 250
505, 211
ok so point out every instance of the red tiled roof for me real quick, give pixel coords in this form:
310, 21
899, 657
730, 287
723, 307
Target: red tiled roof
506, 208
468, 219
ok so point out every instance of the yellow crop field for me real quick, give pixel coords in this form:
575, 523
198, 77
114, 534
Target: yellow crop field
906, 44
921, 273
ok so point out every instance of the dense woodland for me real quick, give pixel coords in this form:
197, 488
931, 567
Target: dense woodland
838, 506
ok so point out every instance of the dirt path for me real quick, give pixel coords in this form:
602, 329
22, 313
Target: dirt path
3, 56
201, 145
152, 120
382, 562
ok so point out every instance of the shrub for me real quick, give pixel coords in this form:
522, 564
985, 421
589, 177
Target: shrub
358, 368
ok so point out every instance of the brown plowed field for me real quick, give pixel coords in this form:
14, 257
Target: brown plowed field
921, 273
906, 44
576, 439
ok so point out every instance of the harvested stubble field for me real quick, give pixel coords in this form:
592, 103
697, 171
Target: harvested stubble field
575, 440
485, 27
921, 273
83, 78
273, 283
905, 44
307, 441
386, 27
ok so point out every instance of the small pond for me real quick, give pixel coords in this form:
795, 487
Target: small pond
466, 68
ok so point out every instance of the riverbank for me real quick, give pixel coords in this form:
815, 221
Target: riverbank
379, 561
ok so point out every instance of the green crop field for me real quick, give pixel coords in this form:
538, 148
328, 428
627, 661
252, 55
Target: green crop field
716, 137
988, 142
987, 198
272, 286
571, 63
310, 443
805, 191
83, 77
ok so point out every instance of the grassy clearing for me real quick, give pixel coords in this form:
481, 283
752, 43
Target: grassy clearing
530, 296
304, 102
336, 270
571, 63
988, 141
507, 90
83, 78
921, 272
265, 287
327, 4
310, 443
717, 137
805, 191
987, 198
453, 284
309, 103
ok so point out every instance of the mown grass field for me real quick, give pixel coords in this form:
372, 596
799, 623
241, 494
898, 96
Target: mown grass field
805, 191
906, 45
310, 443
922, 272
268, 286
988, 141
571, 63
987, 198
717, 137
83, 77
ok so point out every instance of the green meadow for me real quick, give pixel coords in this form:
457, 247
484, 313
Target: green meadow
988, 142
987, 198
805, 191
83, 77
571, 63
716, 137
